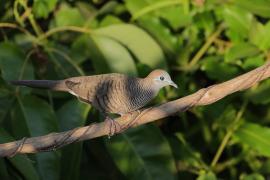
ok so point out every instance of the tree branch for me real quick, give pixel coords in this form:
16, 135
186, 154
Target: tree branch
204, 96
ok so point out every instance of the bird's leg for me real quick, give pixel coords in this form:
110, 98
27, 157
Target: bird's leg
115, 127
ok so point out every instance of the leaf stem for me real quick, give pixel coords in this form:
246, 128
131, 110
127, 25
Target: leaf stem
228, 135
63, 28
206, 45
15, 26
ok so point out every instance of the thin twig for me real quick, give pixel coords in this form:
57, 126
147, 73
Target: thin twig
204, 96
206, 45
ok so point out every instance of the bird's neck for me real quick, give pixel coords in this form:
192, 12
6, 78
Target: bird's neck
149, 85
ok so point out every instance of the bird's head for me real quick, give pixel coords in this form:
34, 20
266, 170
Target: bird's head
160, 78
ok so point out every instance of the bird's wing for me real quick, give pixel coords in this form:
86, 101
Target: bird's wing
83, 87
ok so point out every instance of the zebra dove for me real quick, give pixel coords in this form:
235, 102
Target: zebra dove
109, 93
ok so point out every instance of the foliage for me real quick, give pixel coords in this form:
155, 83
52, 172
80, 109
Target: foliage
199, 42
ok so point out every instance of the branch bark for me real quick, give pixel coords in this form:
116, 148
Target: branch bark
204, 96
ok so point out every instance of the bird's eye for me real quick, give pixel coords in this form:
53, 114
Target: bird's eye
161, 78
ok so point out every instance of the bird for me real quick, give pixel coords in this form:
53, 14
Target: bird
111, 93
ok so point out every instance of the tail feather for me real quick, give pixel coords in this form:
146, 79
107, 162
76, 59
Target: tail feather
44, 84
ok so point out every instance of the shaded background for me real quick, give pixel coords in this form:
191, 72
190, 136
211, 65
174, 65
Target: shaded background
198, 42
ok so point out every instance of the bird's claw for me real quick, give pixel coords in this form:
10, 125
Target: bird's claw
115, 127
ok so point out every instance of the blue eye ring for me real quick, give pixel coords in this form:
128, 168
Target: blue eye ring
161, 78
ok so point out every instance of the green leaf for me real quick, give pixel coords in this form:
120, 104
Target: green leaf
141, 45
206, 21
12, 63
42, 8
255, 136
241, 50
173, 11
239, 21
34, 117
160, 32
207, 176
68, 16
253, 176
107, 55
176, 16
22, 164
143, 153
259, 35
184, 154
216, 69
253, 62
109, 20
71, 115
261, 94
258, 7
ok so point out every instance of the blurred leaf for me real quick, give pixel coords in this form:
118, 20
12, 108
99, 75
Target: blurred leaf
141, 45
68, 16
160, 32
259, 35
254, 176
256, 136
186, 157
265, 168
258, 7
109, 20
11, 62
253, 62
207, 176
227, 117
22, 164
216, 69
72, 115
107, 55
241, 50
239, 21
206, 21
34, 117
260, 95
143, 153
42, 8
176, 16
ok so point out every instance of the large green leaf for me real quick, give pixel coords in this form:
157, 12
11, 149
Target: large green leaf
216, 69
241, 50
12, 61
107, 55
72, 115
174, 12
160, 32
255, 136
259, 35
141, 45
258, 7
22, 164
239, 21
143, 153
42, 8
34, 117
68, 16
207, 176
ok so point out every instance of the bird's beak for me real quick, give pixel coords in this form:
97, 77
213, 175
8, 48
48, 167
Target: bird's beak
173, 84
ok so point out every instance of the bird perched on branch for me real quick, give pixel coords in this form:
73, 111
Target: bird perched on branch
109, 93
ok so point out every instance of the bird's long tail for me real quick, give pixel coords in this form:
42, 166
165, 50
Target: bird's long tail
44, 84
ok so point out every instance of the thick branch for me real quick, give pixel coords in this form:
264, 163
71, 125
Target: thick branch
204, 96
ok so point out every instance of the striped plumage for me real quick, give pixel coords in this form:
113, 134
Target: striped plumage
109, 93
